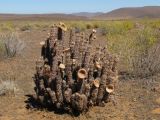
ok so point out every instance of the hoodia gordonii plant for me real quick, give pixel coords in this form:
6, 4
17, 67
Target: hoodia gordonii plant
72, 73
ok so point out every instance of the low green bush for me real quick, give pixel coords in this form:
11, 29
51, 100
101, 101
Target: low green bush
26, 27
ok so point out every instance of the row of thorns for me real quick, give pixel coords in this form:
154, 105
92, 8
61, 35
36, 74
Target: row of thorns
73, 74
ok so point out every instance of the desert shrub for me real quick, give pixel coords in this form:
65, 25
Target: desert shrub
146, 48
26, 27
136, 50
95, 25
155, 24
7, 87
1, 49
88, 26
104, 31
128, 25
44, 26
119, 27
147, 63
11, 45
80, 25
37, 25
7, 26
116, 28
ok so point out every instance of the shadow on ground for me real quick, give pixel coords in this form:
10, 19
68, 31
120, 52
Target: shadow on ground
33, 103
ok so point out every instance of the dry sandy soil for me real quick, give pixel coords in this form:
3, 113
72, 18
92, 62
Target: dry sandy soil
137, 99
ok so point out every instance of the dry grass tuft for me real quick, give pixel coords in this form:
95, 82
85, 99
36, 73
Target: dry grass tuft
11, 45
7, 87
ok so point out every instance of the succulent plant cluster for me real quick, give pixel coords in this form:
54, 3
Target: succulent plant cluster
72, 74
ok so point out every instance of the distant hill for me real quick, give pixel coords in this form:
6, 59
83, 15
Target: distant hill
131, 13
41, 17
87, 14
122, 13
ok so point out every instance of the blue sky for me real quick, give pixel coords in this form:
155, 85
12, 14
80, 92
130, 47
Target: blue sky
69, 6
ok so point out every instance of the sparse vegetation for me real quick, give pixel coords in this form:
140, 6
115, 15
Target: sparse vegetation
104, 31
26, 27
11, 45
2, 49
132, 39
88, 26
7, 87
138, 47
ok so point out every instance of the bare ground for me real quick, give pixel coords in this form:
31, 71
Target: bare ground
137, 99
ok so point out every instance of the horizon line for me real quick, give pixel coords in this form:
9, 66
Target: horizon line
69, 13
